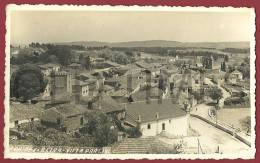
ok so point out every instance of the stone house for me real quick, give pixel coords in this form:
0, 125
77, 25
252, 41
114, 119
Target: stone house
66, 117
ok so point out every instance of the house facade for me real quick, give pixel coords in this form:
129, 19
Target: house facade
158, 117
23, 113
48, 68
235, 77
172, 126
65, 117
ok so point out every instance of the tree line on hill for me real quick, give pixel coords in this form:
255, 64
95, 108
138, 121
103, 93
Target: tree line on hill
120, 57
61, 54
236, 50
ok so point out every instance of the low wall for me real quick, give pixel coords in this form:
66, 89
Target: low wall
235, 106
223, 128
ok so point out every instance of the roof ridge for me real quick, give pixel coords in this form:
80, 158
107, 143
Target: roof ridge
165, 99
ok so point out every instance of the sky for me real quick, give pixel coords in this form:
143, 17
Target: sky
121, 26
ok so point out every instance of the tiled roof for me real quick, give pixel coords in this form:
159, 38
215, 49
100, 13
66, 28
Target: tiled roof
19, 111
119, 93
109, 105
70, 109
143, 65
74, 65
141, 95
49, 65
134, 81
236, 72
113, 64
79, 82
166, 109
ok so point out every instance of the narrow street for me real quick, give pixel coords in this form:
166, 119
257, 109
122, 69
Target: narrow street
210, 138
203, 109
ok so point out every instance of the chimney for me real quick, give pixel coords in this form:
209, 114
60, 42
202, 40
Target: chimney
160, 96
90, 105
157, 115
139, 118
52, 83
99, 102
77, 90
125, 110
77, 99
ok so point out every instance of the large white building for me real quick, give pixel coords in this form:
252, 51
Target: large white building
235, 77
158, 117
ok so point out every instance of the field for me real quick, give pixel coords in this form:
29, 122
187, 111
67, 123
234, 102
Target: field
233, 116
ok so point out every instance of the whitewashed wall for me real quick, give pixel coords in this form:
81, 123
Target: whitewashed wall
173, 126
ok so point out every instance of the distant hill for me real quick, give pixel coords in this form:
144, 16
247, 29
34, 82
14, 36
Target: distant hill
161, 43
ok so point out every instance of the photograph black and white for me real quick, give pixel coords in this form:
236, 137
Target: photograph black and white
113, 82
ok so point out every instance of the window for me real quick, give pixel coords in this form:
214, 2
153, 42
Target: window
170, 120
149, 126
196, 81
163, 126
32, 119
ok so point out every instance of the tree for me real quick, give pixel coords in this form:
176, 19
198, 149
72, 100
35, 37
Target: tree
120, 58
51, 137
85, 61
223, 66
162, 83
100, 128
197, 95
226, 58
52, 59
62, 52
245, 69
134, 132
216, 94
247, 60
27, 82
129, 54
246, 124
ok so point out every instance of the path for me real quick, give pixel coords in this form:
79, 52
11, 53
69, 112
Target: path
210, 139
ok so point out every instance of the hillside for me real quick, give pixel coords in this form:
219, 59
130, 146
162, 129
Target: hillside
160, 43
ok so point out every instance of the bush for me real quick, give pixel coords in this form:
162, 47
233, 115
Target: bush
175, 149
100, 128
134, 132
246, 124
51, 137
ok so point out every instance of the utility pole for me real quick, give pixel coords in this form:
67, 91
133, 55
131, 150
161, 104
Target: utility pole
216, 116
53, 85
198, 146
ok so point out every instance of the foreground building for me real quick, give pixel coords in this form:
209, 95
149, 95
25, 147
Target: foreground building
66, 117
23, 113
158, 117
